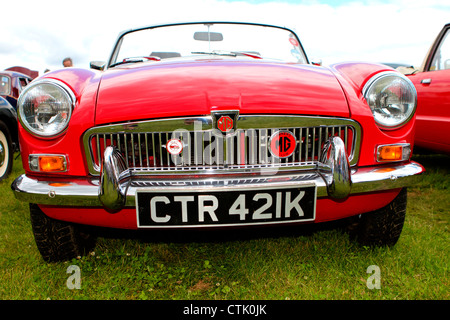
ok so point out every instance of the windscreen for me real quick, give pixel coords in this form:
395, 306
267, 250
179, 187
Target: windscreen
215, 39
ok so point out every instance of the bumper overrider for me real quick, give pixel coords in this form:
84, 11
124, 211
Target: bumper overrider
117, 187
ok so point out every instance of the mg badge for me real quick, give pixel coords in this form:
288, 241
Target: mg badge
282, 144
225, 124
225, 121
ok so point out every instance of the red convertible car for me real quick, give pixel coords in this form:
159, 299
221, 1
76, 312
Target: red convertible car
432, 82
214, 125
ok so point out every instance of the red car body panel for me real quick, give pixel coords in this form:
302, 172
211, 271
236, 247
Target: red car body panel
84, 84
197, 88
433, 110
352, 77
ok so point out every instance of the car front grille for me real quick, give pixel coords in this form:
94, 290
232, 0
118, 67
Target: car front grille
143, 144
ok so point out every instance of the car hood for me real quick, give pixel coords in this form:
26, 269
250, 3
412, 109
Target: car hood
171, 89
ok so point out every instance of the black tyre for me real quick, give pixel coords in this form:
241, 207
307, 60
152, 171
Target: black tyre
381, 227
58, 240
6, 152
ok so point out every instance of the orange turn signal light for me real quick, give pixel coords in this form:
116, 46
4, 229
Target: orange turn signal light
48, 163
394, 152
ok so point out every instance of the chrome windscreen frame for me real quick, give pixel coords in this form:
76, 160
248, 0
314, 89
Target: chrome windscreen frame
205, 123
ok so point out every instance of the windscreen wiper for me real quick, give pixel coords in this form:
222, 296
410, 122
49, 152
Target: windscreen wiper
215, 53
135, 60
230, 53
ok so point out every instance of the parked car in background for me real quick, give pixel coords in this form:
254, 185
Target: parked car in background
432, 82
214, 125
8, 137
11, 85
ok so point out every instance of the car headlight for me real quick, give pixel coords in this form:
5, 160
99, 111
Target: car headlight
45, 107
392, 99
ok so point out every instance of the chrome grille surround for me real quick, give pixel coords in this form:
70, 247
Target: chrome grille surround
206, 151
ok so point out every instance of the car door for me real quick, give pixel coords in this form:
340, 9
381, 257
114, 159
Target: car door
433, 97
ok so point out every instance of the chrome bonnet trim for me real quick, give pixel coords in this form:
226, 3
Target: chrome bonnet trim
82, 192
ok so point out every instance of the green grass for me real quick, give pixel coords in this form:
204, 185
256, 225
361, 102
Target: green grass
268, 264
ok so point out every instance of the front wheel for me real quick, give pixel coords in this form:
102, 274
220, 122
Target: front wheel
58, 240
6, 152
381, 227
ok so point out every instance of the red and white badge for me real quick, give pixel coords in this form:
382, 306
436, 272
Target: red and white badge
282, 144
174, 146
225, 124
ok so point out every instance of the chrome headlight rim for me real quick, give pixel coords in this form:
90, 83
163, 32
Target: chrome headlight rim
375, 79
21, 116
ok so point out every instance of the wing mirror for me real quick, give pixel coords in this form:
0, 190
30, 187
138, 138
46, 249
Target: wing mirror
316, 62
97, 65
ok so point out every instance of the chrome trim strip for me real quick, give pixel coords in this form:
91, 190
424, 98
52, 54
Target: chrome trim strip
3, 153
81, 192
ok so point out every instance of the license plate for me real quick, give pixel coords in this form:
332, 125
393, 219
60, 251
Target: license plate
225, 208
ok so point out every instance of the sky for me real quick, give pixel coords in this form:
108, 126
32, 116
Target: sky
40, 34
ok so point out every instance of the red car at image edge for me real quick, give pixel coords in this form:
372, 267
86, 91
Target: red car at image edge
432, 82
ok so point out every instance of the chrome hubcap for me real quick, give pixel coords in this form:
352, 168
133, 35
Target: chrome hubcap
2, 154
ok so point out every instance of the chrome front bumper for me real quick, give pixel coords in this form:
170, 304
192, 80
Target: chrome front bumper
116, 188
